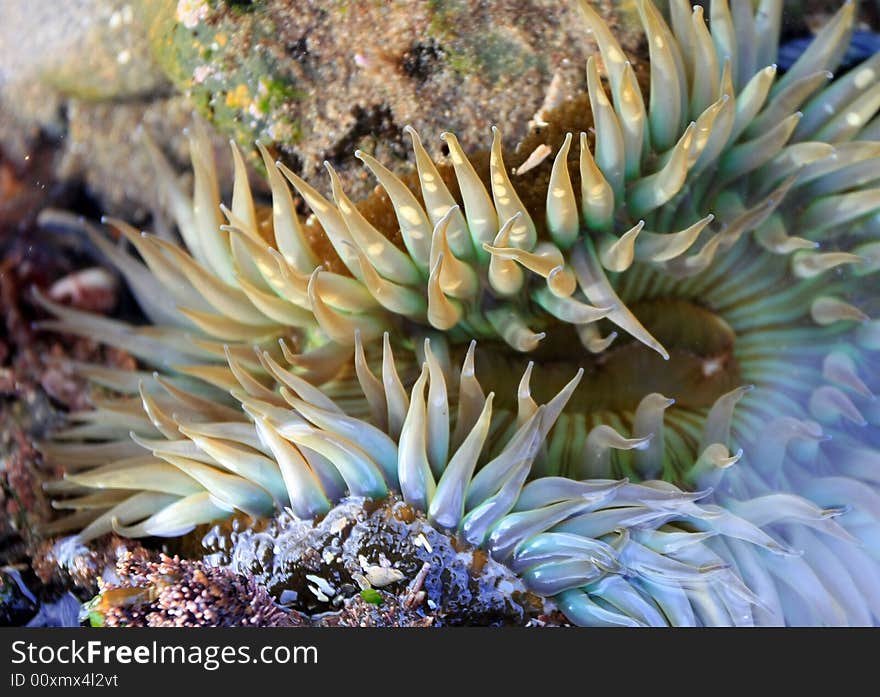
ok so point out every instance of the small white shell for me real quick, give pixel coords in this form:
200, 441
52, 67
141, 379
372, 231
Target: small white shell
379, 576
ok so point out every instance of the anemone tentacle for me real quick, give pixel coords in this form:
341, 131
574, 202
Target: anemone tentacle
716, 463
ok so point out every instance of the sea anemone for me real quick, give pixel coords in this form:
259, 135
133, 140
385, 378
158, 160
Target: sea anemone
715, 464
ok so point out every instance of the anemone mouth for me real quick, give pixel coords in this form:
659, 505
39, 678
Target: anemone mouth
702, 365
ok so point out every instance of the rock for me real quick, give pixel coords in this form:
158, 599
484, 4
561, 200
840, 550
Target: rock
384, 554
321, 79
72, 72
90, 49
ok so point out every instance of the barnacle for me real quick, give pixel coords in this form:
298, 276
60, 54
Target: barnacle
714, 463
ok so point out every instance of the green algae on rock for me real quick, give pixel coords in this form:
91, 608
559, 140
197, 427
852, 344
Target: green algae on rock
690, 223
220, 55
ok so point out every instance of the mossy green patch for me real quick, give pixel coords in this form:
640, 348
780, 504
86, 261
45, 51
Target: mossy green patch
372, 596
